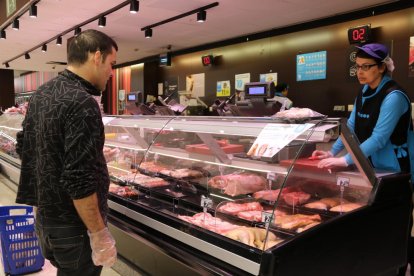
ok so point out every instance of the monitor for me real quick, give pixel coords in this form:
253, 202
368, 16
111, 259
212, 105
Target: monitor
255, 107
132, 97
257, 90
165, 59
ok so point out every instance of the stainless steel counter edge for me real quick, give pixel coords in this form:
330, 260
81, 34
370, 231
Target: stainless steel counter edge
217, 252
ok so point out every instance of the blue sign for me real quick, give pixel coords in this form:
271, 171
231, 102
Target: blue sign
311, 66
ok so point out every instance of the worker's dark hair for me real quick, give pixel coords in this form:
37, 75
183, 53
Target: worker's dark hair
86, 42
281, 86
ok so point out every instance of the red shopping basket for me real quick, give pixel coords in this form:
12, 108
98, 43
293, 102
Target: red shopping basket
19, 245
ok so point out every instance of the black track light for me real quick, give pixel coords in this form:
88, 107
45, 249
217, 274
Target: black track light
3, 34
44, 48
59, 40
78, 30
201, 16
102, 21
148, 33
134, 6
15, 24
7, 64
26, 56
33, 11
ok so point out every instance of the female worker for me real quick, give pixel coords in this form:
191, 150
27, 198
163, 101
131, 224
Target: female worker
381, 118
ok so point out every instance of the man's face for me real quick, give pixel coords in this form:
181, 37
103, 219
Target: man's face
104, 68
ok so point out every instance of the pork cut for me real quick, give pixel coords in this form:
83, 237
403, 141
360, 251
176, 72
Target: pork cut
238, 184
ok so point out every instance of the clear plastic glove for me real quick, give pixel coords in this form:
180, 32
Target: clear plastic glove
103, 248
332, 162
110, 154
320, 154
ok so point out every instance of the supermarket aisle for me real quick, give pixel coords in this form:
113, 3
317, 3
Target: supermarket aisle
7, 197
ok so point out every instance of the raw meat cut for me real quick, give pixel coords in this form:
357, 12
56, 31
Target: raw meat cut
296, 198
207, 221
347, 207
234, 208
292, 222
238, 184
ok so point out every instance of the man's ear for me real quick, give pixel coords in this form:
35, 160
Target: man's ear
97, 57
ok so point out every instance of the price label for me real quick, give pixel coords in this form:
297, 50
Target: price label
206, 202
266, 218
342, 181
271, 176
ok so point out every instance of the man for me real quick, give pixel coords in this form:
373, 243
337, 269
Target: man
64, 173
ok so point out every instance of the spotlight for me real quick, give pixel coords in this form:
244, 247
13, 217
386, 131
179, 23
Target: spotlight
3, 34
27, 56
15, 24
134, 6
78, 30
148, 33
201, 16
102, 21
7, 64
44, 48
33, 11
59, 40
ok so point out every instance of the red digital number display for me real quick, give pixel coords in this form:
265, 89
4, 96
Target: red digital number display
207, 60
359, 34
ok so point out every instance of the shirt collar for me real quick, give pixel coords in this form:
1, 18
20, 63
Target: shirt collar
89, 87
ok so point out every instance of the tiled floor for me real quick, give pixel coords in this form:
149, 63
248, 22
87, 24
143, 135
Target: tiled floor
7, 197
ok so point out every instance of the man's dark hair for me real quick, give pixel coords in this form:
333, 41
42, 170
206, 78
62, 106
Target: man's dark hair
86, 42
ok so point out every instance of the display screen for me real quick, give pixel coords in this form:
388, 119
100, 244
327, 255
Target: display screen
257, 90
132, 97
165, 59
360, 34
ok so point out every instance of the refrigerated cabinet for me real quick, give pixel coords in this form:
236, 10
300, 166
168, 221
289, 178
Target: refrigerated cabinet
240, 196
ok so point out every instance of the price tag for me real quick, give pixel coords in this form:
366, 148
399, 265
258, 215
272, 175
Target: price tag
271, 176
206, 202
342, 181
266, 218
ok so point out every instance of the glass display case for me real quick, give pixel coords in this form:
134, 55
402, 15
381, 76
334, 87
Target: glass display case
241, 196
245, 194
10, 124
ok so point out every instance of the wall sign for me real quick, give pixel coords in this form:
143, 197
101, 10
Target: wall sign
311, 66
11, 7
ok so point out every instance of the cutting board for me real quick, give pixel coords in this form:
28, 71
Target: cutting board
309, 164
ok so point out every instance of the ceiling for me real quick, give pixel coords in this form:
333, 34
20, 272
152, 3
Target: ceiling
231, 18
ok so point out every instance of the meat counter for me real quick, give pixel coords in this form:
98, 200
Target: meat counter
236, 196
240, 196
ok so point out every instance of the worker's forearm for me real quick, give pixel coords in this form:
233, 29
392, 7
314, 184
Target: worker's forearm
88, 210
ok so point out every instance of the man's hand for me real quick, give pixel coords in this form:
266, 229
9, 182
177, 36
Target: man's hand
103, 248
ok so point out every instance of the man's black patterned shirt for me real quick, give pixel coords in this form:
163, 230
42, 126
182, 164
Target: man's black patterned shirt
61, 149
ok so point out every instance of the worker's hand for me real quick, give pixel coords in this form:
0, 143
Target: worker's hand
332, 162
110, 154
320, 154
103, 248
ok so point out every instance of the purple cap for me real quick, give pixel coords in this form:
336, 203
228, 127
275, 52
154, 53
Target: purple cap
375, 50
